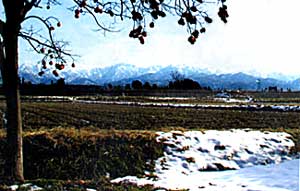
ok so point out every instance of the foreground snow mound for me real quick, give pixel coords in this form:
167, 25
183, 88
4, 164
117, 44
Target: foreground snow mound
221, 150
275, 177
190, 155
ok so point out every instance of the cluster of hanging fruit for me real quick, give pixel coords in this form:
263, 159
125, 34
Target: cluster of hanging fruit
195, 34
223, 14
97, 9
137, 16
190, 19
51, 62
139, 34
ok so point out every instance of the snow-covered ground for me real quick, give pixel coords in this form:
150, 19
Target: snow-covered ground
234, 104
229, 103
196, 160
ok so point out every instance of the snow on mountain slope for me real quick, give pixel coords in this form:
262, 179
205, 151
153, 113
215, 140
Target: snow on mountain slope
122, 74
117, 72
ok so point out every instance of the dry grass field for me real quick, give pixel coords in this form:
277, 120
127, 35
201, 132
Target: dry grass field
38, 115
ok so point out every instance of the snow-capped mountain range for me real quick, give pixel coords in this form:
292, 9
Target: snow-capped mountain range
121, 74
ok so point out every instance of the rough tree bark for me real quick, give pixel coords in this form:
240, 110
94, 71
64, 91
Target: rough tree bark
9, 71
14, 159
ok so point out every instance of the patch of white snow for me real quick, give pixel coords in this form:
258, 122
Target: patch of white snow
195, 160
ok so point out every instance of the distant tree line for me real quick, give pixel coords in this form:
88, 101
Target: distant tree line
179, 84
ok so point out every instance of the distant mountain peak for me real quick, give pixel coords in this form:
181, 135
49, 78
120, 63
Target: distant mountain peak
123, 73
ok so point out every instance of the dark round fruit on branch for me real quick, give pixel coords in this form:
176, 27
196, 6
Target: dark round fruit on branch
44, 62
59, 24
226, 13
51, 62
51, 28
195, 33
181, 21
54, 72
140, 17
111, 13
154, 14
162, 14
77, 12
202, 30
208, 19
142, 40
154, 5
131, 34
73, 65
134, 17
185, 14
222, 12
51, 56
98, 10
77, 16
48, 7
137, 16
144, 34
83, 3
44, 67
49, 51
192, 39
42, 50
151, 25
136, 35
41, 73
61, 67
194, 8
224, 20
57, 65
139, 29
192, 20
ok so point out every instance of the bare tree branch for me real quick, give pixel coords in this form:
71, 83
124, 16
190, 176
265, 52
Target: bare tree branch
48, 25
30, 4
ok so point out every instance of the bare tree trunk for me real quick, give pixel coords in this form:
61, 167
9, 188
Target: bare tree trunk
9, 70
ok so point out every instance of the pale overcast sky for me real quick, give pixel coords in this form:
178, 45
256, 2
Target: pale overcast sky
262, 36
